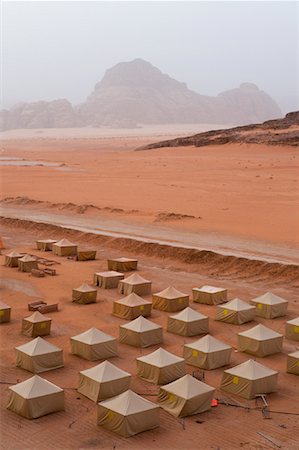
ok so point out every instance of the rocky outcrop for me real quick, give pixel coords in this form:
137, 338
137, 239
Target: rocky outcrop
136, 93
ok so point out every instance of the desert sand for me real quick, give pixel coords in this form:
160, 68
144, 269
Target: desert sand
237, 202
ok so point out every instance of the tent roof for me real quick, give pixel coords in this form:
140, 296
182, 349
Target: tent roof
160, 358
171, 293
135, 279
260, 333
28, 258
128, 403
237, 305
209, 289
208, 344
122, 259
187, 387
105, 372
47, 241
251, 370
4, 306
269, 299
65, 243
35, 387
38, 346
188, 315
85, 288
140, 325
294, 354
133, 300
294, 322
14, 254
37, 317
93, 336
109, 273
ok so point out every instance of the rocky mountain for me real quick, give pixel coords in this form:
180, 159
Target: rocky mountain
134, 93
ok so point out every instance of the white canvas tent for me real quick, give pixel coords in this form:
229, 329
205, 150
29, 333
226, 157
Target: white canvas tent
128, 414
249, 379
64, 248
209, 295
93, 345
140, 332
45, 245
84, 294
27, 263
39, 356
35, 398
5, 311
108, 279
132, 306
270, 306
11, 259
103, 381
186, 396
122, 264
36, 325
170, 300
260, 341
235, 312
292, 329
160, 367
188, 323
135, 283
207, 353
293, 363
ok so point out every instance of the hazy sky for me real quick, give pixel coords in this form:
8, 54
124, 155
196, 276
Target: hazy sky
61, 49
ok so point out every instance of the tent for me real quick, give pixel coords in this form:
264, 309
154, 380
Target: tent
207, 353
86, 255
93, 345
186, 396
5, 311
128, 414
27, 263
209, 295
103, 381
11, 259
39, 356
170, 300
45, 245
270, 306
293, 363
140, 332
188, 323
160, 367
84, 294
260, 341
35, 398
36, 325
249, 379
236, 312
122, 264
135, 283
64, 248
108, 280
131, 307
292, 329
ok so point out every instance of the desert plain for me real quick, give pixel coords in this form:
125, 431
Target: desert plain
222, 215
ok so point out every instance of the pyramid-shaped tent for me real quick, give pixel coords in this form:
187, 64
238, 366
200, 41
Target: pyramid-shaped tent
293, 363
207, 353
103, 381
36, 325
5, 311
292, 329
93, 345
260, 341
186, 396
35, 397
160, 367
135, 283
11, 259
270, 306
128, 414
170, 300
122, 264
131, 307
108, 279
84, 294
140, 332
249, 379
45, 245
39, 356
236, 312
27, 263
188, 323
64, 248
209, 295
